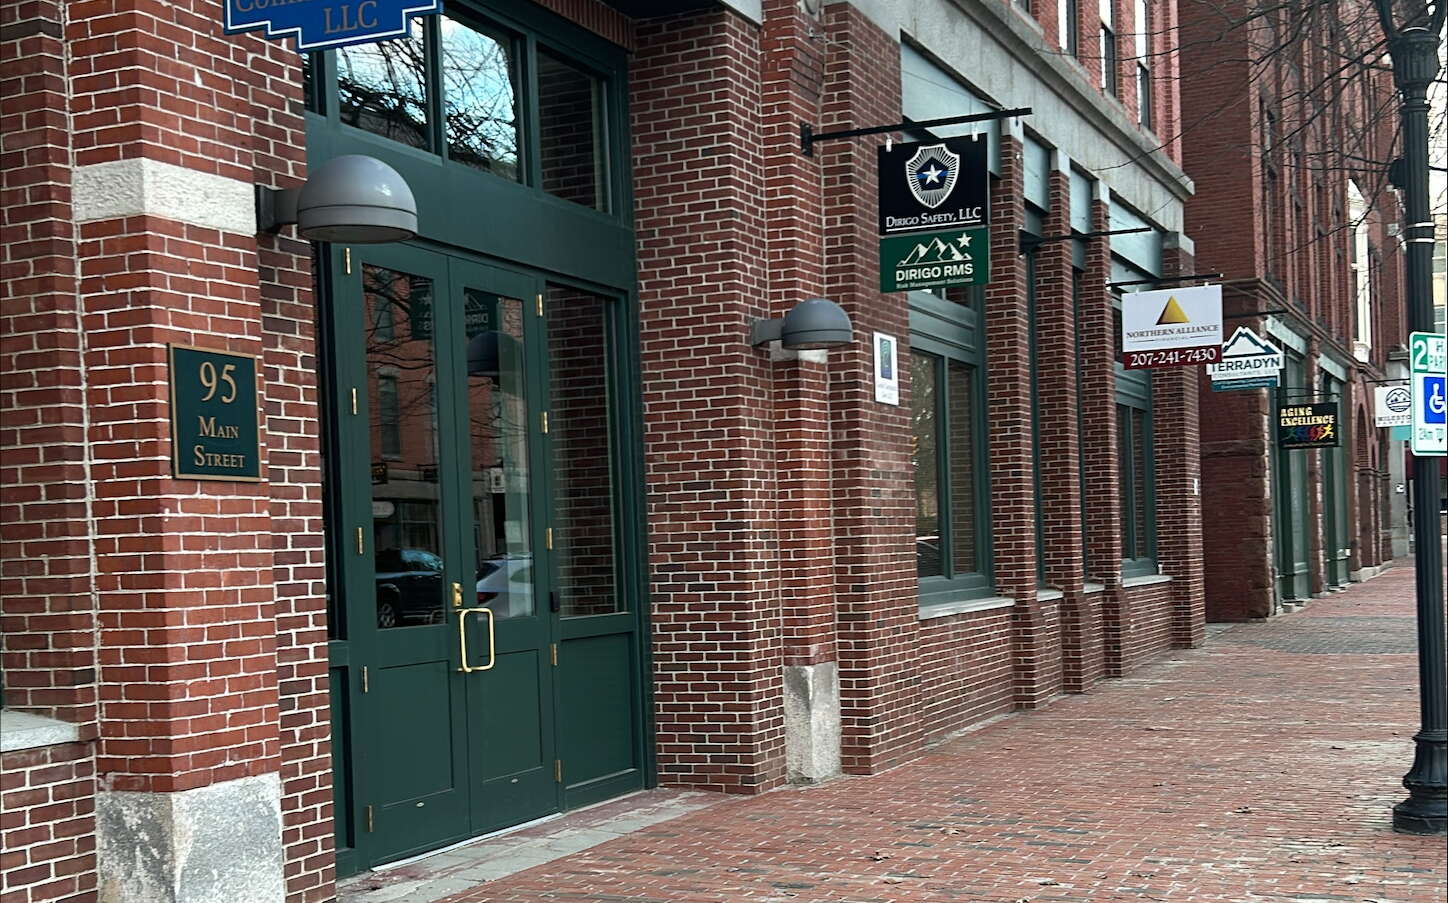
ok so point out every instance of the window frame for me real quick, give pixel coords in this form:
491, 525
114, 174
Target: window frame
949, 331
1134, 392
531, 33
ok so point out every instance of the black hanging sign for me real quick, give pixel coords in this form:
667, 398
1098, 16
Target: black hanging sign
930, 186
1312, 425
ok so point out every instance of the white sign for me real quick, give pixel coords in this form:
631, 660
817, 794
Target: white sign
1248, 362
1183, 320
1392, 406
1428, 358
887, 369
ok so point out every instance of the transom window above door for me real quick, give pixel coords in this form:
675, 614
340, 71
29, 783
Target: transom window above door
478, 90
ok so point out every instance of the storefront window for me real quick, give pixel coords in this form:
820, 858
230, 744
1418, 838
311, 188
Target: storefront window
480, 98
382, 88
484, 93
570, 133
951, 535
581, 434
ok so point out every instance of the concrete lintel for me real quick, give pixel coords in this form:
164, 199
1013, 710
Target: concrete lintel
24, 730
812, 722
141, 187
220, 842
1145, 580
946, 609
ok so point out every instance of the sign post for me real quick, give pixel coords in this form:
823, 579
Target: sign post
934, 214
1177, 327
1428, 360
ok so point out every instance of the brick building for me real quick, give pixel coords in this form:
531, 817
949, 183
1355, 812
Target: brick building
536, 525
1292, 207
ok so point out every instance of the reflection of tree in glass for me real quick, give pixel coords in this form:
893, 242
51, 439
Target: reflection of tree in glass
477, 77
381, 87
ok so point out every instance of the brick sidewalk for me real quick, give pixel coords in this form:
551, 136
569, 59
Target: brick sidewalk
1260, 768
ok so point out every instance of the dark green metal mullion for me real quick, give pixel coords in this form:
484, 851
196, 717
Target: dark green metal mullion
436, 110
529, 129
985, 548
1148, 449
944, 512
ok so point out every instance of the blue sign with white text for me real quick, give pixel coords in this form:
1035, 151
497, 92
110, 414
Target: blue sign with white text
1435, 400
320, 24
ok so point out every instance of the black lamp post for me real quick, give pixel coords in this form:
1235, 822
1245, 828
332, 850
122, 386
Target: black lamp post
1425, 811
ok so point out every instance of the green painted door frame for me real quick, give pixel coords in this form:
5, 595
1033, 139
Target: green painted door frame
564, 717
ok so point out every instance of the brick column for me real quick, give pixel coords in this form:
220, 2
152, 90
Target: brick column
1316, 534
792, 63
1060, 438
186, 582
708, 398
876, 585
1176, 440
1235, 436
47, 627
1098, 410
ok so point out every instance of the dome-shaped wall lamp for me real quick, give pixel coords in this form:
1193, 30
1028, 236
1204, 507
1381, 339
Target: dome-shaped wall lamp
814, 323
353, 198
491, 351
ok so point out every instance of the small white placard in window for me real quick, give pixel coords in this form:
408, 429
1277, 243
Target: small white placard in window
887, 369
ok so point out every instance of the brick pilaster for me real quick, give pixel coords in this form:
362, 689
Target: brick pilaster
876, 602
708, 439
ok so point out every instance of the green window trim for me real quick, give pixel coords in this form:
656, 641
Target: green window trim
1136, 488
947, 334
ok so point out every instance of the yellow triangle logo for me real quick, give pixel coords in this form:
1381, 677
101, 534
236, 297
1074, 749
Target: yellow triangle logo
1172, 313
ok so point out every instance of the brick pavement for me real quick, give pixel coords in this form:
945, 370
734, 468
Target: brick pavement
1262, 767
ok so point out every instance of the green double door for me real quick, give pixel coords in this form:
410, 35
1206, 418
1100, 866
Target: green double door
454, 500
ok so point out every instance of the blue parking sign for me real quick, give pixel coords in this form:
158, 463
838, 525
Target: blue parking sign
1434, 401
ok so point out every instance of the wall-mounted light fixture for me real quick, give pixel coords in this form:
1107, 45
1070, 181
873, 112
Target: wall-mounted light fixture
353, 198
814, 323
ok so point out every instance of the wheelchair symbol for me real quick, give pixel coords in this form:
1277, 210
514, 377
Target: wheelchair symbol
1434, 402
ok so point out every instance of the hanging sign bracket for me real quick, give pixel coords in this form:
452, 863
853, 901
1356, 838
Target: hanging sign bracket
807, 136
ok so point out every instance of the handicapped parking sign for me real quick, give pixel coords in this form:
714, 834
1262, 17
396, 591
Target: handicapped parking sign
1433, 400
1428, 358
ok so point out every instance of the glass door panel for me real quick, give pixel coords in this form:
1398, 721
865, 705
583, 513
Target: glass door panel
510, 701
407, 552
403, 565
498, 425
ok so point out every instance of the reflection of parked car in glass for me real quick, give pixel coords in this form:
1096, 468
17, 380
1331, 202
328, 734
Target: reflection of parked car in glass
409, 587
505, 585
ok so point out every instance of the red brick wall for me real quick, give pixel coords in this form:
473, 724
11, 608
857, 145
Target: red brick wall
47, 623
1146, 629
713, 559
877, 617
47, 828
208, 596
966, 671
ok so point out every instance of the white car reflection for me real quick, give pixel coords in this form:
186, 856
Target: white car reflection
505, 584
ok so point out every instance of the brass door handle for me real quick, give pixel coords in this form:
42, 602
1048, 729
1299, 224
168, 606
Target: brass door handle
463, 641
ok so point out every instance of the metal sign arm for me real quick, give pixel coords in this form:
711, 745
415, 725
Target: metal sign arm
807, 136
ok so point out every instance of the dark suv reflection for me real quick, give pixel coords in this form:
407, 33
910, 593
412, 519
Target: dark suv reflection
409, 587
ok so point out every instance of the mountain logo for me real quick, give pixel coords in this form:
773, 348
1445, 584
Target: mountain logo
931, 174
937, 251
1398, 400
1172, 314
